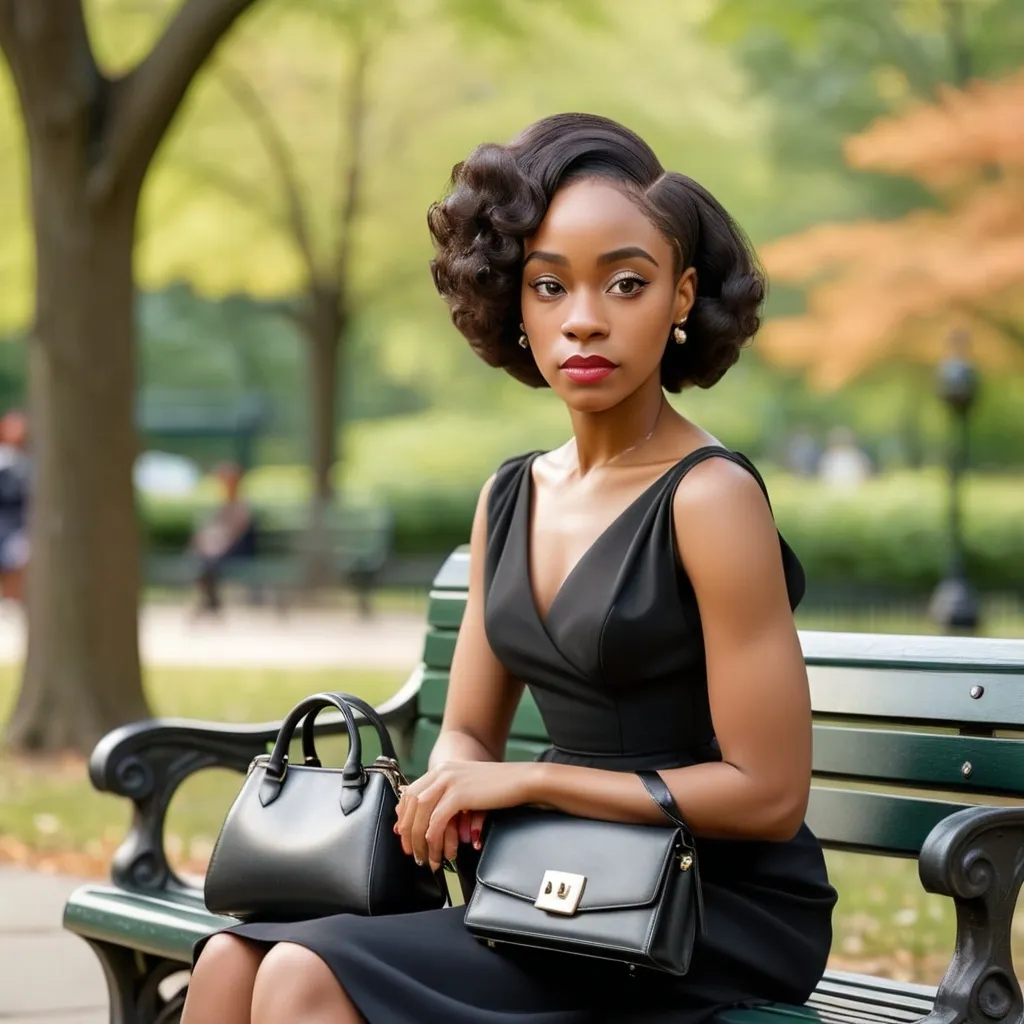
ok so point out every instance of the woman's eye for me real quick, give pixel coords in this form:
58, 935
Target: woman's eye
629, 286
547, 289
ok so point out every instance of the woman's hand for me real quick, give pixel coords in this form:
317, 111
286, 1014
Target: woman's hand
434, 811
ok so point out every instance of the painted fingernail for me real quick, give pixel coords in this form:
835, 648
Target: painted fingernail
476, 838
419, 863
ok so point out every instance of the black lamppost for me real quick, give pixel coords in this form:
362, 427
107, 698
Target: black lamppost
954, 603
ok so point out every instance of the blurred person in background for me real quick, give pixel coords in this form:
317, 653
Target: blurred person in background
229, 535
15, 482
843, 463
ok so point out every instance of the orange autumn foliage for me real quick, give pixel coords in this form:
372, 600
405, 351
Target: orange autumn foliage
894, 290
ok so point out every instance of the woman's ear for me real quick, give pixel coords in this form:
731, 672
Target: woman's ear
686, 294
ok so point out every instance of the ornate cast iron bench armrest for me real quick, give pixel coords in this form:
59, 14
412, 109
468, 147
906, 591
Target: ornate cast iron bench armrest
976, 856
147, 762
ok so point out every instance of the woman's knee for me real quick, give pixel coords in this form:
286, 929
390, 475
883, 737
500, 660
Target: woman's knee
226, 956
293, 979
220, 988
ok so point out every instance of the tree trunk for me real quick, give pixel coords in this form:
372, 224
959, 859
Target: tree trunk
325, 327
82, 675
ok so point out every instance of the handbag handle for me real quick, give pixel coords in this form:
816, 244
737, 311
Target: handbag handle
353, 776
387, 747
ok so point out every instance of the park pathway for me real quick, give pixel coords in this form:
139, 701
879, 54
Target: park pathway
243, 636
47, 976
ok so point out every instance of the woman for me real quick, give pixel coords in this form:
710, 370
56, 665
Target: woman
632, 578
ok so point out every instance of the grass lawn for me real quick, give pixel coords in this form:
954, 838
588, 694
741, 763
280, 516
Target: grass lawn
50, 817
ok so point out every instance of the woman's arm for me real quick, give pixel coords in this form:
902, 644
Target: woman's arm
482, 697
757, 682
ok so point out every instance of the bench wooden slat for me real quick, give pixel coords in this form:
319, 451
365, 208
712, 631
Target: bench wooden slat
918, 696
859, 1002
852, 819
439, 648
889, 994
445, 609
845, 980
851, 1007
930, 760
454, 573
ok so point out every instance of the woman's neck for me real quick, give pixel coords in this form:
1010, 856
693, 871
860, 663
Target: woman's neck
603, 437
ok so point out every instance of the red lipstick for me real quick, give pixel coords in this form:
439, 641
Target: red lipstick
587, 369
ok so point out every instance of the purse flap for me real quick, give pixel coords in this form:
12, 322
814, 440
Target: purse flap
621, 865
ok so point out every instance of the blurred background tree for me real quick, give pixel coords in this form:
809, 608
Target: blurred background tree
889, 291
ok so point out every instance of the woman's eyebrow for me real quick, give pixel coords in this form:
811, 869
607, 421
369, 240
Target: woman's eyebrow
547, 257
625, 253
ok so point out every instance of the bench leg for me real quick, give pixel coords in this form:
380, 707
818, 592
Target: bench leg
133, 983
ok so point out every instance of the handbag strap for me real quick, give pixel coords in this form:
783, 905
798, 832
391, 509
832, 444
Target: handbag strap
662, 796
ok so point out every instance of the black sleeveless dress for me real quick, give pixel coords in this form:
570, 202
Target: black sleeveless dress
617, 669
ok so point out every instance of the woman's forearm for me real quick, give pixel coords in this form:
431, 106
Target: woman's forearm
453, 745
716, 799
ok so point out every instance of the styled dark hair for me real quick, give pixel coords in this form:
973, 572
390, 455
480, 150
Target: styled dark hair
499, 196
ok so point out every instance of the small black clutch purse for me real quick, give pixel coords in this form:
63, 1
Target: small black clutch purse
603, 889
303, 841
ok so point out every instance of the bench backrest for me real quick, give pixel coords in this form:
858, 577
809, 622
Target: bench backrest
907, 730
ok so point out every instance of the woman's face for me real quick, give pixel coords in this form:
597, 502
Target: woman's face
600, 296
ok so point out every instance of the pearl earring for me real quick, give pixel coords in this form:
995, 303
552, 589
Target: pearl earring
678, 333
524, 341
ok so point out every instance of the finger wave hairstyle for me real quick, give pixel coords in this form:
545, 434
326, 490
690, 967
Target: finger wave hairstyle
498, 197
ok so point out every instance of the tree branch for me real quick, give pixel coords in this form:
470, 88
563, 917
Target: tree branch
240, 191
59, 86
354, 137
146, 100
242, 92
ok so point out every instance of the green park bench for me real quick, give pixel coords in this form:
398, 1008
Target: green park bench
359, 540
895, 717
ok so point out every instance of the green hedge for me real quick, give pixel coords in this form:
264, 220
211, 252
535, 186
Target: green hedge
891, 532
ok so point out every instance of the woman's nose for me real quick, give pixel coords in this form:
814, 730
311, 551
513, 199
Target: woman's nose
585, 321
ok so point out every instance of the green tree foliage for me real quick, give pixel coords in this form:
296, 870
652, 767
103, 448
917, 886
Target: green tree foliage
833, 66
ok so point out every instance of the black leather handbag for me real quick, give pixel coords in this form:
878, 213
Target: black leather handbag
303, 841
603, 889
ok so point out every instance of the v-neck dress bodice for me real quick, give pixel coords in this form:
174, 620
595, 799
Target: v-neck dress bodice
617, 669
617, 665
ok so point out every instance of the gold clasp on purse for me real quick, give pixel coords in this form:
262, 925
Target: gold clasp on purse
560, 892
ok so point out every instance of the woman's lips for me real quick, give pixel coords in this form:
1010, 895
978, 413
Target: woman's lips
587, 369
